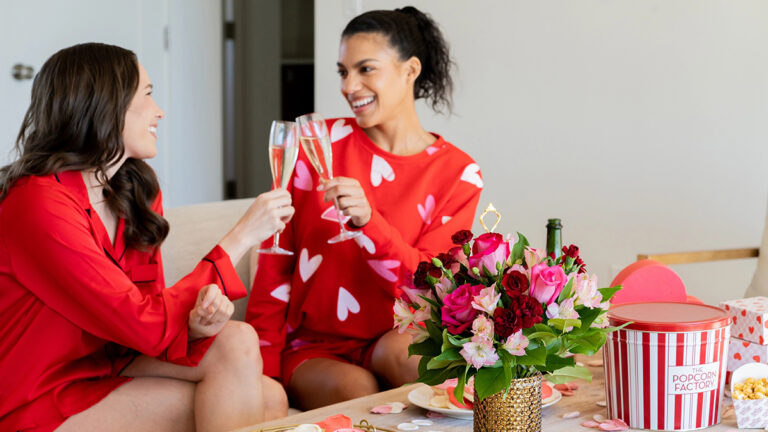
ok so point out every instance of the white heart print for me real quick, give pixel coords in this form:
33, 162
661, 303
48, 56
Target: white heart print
283, 292
366, 243
380, 170
339, 130
425, 211
446, 219
384, 268
471, 175
346, 304
307, 266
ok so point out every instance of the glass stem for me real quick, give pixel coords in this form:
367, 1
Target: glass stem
276, 242
338, 214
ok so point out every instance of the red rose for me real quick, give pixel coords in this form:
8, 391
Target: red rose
515, 283
462, 237
523, 312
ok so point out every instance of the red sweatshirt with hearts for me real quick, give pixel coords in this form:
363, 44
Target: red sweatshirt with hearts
348, 289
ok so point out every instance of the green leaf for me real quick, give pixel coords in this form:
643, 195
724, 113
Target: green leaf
518, 249
539, 328
607, 293
489, 381
588, 316
562, 324
428, 348
569, 373
555, 362
508, 361
452, 354
588, 344
459, 390
443, 364
430, 301
437, 376
533, 357
566, 292
434, 331
545, 337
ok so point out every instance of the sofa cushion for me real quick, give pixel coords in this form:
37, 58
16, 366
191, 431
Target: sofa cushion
195, 230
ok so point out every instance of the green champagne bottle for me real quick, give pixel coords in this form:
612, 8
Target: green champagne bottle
554, 238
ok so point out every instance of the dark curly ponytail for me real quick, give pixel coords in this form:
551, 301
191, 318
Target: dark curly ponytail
414, 34
75, 122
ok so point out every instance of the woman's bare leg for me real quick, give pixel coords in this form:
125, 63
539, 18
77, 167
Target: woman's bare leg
229, 390
322, 381
390, 359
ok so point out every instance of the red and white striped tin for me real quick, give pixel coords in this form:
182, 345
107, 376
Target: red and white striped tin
666, 369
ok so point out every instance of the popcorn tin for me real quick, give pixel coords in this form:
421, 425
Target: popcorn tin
666, 369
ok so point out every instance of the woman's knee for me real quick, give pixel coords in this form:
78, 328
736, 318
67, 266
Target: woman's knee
237, 343
275, 399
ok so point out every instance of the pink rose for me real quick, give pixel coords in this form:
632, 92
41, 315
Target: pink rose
547, 282
489, 250
457, 311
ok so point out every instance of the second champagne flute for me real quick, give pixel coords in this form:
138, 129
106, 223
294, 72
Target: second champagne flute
283, 151
316, 143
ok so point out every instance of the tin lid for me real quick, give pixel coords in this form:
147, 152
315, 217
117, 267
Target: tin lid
668, 316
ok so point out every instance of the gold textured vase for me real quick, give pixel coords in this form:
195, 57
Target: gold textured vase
519, 411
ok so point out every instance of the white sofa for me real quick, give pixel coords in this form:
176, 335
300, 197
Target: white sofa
195, 229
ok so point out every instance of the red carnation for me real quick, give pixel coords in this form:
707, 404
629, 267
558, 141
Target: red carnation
515, 283
462, 237
571, 251
523, 312
447, 259
420, 277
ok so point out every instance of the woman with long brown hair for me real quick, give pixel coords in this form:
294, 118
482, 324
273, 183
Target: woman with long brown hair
92, 338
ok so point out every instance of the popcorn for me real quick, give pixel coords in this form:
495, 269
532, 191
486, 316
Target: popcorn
750, 388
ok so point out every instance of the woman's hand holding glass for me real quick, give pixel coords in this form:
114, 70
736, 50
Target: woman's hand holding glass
211, 312
351, 198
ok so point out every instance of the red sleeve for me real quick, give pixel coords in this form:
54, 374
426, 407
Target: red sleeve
268, 302
460, 205
55, 256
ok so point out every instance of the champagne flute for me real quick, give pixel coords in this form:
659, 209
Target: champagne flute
283, 151
317, 145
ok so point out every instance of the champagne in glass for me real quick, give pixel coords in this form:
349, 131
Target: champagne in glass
316, 143
283, 151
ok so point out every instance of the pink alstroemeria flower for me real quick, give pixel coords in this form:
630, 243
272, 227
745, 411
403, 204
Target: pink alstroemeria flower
516, 343
487, 300
533, 256
585, 287
479, 352
483, 327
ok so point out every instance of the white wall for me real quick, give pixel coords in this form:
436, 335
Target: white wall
186, 76
643, 124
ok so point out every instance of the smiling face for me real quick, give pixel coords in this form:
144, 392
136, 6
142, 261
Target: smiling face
140, 130
376, 84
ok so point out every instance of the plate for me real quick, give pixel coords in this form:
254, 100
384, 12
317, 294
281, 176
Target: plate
422, 395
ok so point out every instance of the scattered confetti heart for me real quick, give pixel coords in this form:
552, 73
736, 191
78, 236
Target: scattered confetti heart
566, 392
407, 427
590, 424
389, 408
422, 422
433, 414
572, 414
601, 403
598, 418
580, 364
595, 363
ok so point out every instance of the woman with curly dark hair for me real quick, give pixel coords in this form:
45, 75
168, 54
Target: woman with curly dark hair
325, 315
92, 338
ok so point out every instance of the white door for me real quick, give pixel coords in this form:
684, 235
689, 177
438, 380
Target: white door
32, 30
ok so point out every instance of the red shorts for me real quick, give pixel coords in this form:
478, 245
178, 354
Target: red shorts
304, 345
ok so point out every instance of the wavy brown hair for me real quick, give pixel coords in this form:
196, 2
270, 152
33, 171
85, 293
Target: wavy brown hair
75, 122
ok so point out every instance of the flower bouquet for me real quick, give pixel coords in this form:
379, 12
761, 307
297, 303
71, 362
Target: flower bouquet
499, 310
